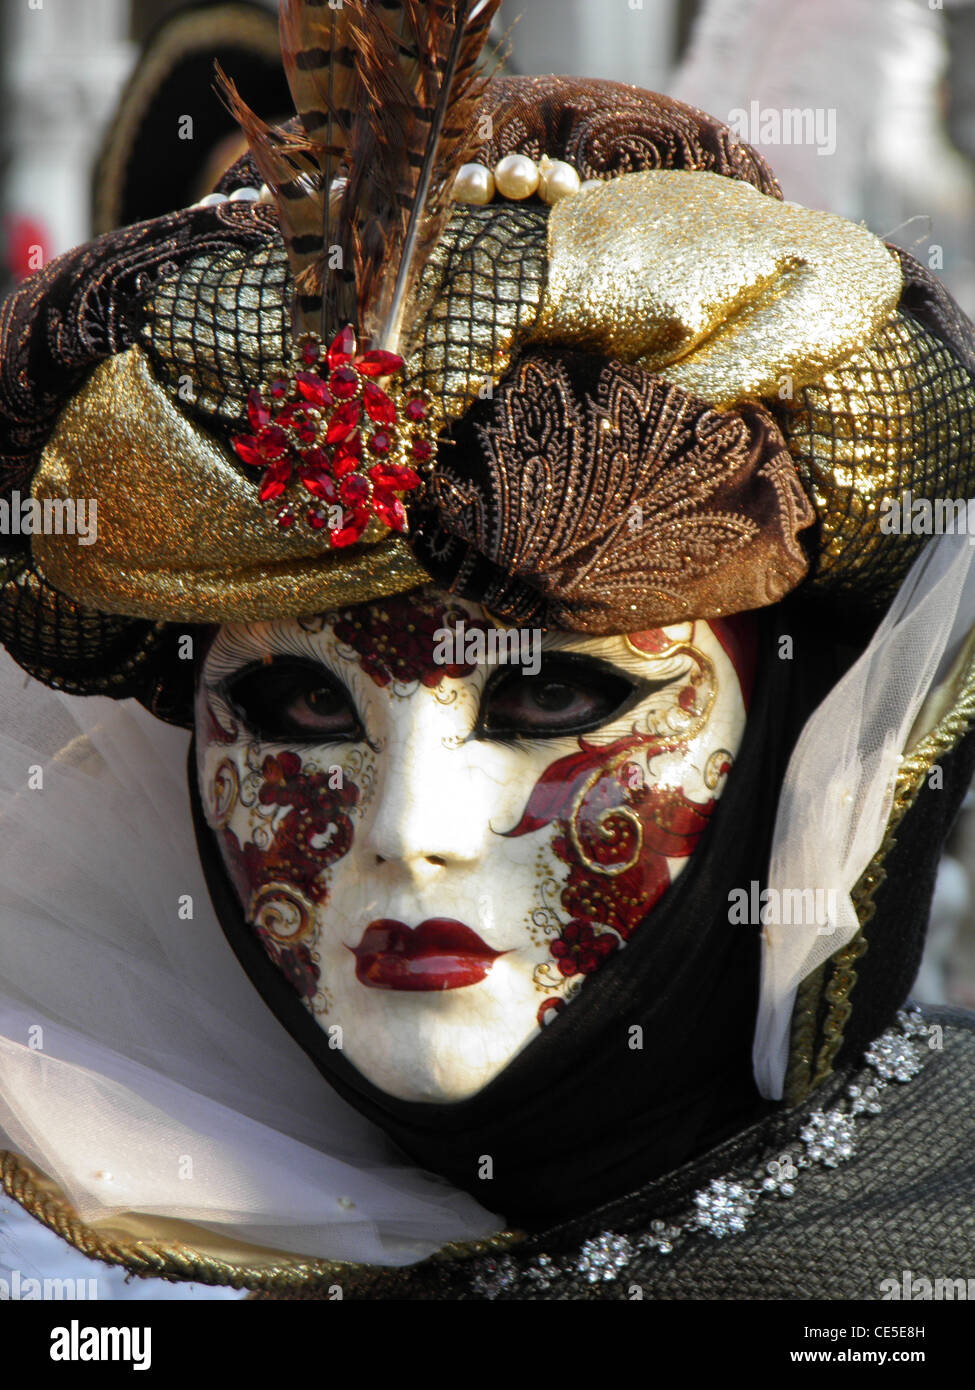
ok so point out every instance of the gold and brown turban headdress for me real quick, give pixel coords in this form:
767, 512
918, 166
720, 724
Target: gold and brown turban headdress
558, 345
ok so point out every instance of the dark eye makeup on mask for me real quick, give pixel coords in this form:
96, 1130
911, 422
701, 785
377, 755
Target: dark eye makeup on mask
292, 699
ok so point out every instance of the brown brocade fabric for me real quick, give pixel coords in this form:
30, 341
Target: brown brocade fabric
607, 128
595, 497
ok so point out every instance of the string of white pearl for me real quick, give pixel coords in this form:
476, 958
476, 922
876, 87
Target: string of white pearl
239, 195
253, 195
517, 177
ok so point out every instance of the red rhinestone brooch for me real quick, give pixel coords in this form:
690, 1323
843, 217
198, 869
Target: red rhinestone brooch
328, 439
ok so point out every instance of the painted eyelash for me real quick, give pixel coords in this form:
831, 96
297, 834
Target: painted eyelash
243, 655
290, 668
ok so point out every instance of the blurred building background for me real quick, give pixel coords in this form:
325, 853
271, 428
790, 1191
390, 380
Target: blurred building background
893, 81
888, 87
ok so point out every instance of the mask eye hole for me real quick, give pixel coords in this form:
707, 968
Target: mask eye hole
290, 700
569, 695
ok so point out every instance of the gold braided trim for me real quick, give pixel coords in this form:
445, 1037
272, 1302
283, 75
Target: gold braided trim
915, 767
249, 1267
837, 994
802, 1043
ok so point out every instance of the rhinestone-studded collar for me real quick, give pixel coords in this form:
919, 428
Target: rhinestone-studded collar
725, 1207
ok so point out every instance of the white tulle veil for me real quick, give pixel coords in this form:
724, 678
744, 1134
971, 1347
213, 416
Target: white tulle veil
839, 785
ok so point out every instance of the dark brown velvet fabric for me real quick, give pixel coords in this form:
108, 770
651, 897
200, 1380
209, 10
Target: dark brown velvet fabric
608, 128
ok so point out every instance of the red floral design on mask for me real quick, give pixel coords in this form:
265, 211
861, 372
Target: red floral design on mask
315, 832
615, 829
317, 811
579, 949
615, 832
396, 639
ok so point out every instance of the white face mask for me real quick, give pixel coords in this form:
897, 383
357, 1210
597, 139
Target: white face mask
438, 839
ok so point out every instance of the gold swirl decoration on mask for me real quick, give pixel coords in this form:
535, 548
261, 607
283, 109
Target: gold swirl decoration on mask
717, 767
283, 911
222, 794
614, 825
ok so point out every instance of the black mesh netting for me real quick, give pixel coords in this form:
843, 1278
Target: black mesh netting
222, 325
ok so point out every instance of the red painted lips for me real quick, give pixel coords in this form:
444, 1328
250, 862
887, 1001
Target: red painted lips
440, 954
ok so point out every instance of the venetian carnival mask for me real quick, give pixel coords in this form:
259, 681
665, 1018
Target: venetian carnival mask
439, 828
588, 423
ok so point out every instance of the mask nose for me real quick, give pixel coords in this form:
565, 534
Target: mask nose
433, 802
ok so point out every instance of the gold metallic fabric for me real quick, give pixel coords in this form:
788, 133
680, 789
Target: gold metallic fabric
711, 284
181, 532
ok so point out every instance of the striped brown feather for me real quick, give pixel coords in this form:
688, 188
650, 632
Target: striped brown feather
291, 169
417, 64
386, 91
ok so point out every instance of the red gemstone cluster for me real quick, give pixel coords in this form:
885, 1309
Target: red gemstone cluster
332, 429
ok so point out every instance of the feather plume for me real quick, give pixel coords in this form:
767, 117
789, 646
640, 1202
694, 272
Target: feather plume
319, 63
386, 92
288, 164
